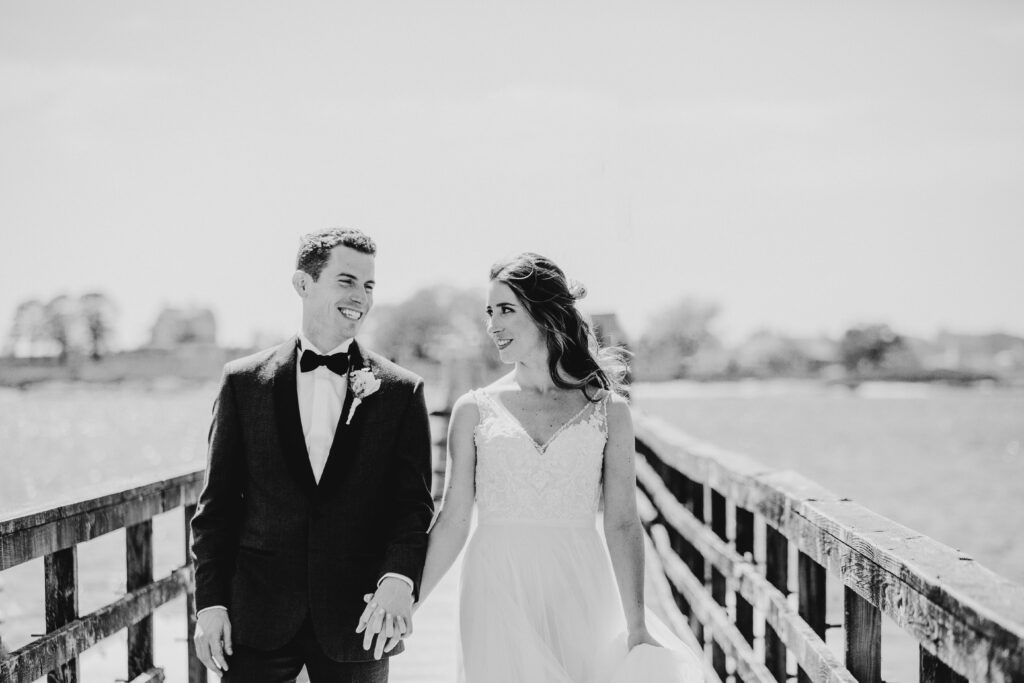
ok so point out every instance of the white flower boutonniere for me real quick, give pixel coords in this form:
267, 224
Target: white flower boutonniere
361, 383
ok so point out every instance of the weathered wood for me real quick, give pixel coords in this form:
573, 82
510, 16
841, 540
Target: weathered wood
684, 490
718, 525
439, 420
661, 594
950, 633
695, 502
61, 579
812, 599
709, 612
777, 572
745, 549
139, 562
49, 652
155, 675
932, 670
35, 534
679, 544
663, 591
972, 618
808, 648
730, 473
196, 670
689, 494
862, 625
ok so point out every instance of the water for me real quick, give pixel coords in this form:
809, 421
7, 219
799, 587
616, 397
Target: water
947, 462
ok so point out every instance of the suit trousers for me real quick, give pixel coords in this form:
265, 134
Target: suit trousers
249, 665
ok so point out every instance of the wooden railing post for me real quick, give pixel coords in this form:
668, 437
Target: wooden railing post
695, 502
718, 524
862, 624
933, 670
439, 420
679, 485
139, 548
777, 573
196, 670
61, 570
54, 534
745, 547
811, 596
969, 620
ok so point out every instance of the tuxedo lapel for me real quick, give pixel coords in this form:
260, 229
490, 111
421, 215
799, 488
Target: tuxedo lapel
289, 421
347, 434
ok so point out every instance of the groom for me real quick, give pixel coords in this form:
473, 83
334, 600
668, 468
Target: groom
317, 492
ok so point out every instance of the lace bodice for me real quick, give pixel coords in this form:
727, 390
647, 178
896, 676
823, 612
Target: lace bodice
518, 480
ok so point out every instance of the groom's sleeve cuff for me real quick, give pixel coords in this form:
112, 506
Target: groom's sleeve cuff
400, 577
211, 607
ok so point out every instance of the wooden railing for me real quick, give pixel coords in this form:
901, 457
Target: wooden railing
722, 525
704, 509
54, 535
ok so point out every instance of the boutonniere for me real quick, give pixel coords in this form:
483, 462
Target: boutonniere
361, 383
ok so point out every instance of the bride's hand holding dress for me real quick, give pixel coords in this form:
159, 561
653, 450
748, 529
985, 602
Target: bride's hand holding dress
647, 659
622, 530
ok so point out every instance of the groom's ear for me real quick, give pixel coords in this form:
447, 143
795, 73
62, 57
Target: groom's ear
300, 281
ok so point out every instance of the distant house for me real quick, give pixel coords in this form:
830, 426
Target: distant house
175, 327
767, 353
996, 352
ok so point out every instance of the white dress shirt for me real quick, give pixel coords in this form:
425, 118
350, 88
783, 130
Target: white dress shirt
321, 395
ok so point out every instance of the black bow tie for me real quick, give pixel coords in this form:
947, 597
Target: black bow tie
311, 360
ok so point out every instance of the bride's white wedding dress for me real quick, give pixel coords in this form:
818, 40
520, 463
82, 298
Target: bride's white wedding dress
538, 598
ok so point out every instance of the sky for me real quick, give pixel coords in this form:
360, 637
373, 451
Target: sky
805, 165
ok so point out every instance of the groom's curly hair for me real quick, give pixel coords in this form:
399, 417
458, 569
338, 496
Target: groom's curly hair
575, 360
315, 247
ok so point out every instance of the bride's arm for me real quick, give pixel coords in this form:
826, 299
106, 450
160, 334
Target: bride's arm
621, 522
450, 528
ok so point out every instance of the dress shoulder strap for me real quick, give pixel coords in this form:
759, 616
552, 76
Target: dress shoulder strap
600, 412
484, 404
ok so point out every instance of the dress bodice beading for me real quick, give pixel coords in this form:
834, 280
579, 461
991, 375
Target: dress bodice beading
519, 481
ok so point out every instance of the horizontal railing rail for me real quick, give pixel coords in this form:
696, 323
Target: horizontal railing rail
54, 534
707, 506
703, 507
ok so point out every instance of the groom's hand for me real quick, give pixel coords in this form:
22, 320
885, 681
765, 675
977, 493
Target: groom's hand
213, 639
388, 616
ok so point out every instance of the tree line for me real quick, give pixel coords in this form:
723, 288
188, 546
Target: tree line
441, 323
63, 324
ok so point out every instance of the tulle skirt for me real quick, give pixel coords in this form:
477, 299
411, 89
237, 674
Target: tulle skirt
539, 604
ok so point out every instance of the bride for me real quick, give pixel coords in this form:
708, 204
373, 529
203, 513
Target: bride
541, 599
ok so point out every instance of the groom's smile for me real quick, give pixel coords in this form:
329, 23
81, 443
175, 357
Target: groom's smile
335, 302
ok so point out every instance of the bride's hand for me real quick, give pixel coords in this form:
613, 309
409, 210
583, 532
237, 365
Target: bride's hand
641, 637
369, 596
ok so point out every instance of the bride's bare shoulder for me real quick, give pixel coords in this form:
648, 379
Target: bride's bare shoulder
618, 410
466, 408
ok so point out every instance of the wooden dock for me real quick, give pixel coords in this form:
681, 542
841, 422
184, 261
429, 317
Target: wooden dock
742, 558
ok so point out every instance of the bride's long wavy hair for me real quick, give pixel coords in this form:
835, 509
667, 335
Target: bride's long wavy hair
575, 360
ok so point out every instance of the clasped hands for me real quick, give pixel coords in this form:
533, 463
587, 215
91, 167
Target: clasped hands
388, 616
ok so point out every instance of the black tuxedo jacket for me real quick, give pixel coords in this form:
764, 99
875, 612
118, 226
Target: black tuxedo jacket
271, 544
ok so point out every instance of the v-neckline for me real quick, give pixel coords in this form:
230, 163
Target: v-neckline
541, 448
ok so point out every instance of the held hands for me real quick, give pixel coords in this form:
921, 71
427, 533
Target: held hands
213, 640
388, 616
